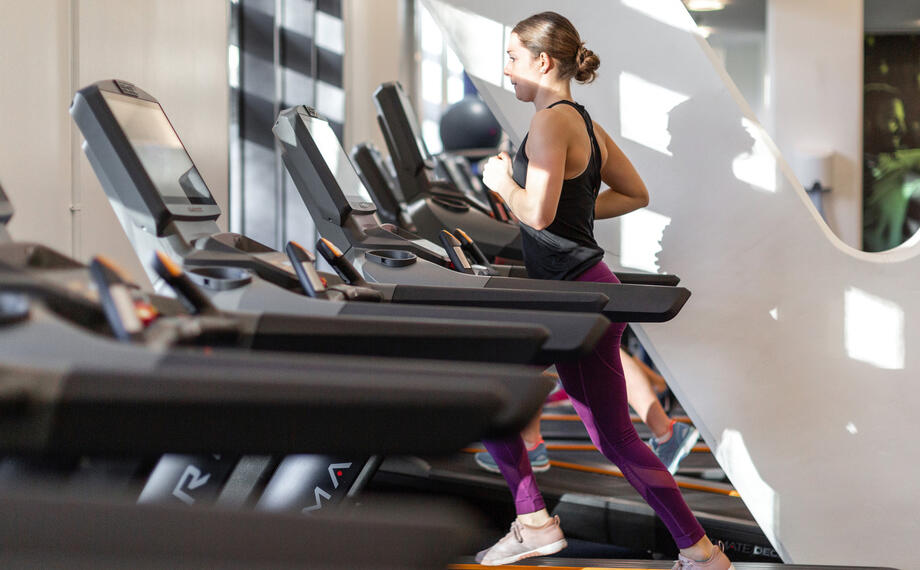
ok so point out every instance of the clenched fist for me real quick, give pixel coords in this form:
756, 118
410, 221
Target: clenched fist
496, 174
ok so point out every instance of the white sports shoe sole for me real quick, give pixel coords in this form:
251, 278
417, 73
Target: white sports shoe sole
542, 551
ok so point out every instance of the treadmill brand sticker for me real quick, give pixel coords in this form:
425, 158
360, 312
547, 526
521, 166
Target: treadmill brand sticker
191, 479
335, 471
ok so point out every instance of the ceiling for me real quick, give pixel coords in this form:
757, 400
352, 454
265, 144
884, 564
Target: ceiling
881, 16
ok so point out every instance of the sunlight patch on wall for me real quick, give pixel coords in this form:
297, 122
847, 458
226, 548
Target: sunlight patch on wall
644, 109
759, 497
873, 330
671, 13
757, 167
640, 239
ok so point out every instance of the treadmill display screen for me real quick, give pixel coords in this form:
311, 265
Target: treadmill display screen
337, 160
6, 209
413, 126
159, 149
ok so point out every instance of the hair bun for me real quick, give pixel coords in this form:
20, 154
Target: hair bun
586, 63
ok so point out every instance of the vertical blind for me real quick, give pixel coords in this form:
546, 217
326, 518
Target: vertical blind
282, 53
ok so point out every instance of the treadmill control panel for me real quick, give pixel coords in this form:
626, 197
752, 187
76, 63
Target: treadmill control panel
344, 174
138, 157
159, 149
6, 207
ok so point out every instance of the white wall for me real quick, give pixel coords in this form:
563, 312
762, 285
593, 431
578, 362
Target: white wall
815, 64
174, 49
35, 129
372, 56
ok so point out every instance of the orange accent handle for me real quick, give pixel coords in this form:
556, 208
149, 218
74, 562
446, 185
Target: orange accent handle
111, 266
335, 251
169, 264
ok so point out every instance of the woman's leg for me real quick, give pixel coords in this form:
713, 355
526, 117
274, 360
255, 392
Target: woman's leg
533, 532
597, 389
511, 456
531, 433
657, 382
642, 398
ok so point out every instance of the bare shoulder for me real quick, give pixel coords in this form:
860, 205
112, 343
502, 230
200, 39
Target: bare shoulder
551, 127
548, 121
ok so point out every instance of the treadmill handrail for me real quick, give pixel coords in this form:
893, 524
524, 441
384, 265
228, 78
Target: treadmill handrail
430, 337
202, 404
585, 302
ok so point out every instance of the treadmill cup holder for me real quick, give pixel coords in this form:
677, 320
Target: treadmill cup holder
391, 257
218, 278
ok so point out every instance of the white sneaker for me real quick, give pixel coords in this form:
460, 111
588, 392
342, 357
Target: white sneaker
524, 541
718, 561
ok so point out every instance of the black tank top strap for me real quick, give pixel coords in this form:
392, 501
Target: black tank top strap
589, 125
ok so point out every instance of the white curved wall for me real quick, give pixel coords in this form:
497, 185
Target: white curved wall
793, 355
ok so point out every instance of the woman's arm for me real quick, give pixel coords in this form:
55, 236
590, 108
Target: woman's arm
626, 190
536, 203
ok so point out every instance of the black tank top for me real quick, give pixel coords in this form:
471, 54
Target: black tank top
566, 248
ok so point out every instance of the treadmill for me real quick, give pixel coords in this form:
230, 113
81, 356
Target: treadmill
166, 207
431, 200
199, 404
55, 533
380, 182
6, 212
596, 506
346, 217
64, 328
49, 413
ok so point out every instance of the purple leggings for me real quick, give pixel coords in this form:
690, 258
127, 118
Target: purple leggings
597, 389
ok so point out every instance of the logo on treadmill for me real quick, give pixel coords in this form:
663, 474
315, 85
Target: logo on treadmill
747, 548
191, 479
195, 209
335, 471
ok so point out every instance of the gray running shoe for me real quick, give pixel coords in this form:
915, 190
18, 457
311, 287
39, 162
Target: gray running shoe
671, 452
718, 561
524, 541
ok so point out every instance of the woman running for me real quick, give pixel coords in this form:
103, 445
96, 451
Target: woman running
553, 187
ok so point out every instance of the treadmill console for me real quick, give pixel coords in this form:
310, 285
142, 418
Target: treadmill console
322, 173
329, 184
6, 208
399, 122
138, 156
